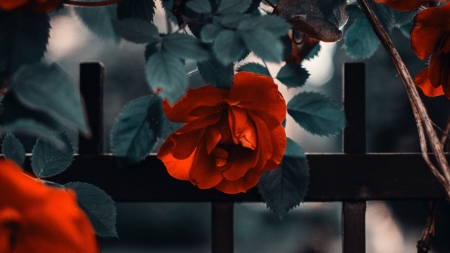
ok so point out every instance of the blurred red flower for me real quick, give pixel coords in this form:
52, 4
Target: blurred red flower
430, 36
403, 5
39, 218
231, 136
38, 6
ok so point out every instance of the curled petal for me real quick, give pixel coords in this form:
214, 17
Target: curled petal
429, 30
259, 93
249, 180
278, 136
203, 172
196, 103
178, 169
239, 162
423, 82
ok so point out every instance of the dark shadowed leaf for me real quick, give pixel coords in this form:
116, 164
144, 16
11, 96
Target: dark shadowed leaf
320, 19
264, 44
13, 149
34, 128
199, 6
166, 71
185, 47
136, 9
209, 32
293, 75
313, 53
131, 136
50, 89
273, 24
24, 37
99, 207
99, 21
136, 30
229, 47
285, 188
233, 6
216, 74
233, 20
255, 68
360, 41
254, 6
317, 113
48, 160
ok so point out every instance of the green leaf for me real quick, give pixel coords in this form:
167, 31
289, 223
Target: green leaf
216, 74
136, 30
199, 6
131, 136
406, 29
317, 113
233, 6
264, 44
99, 21
287, 46
285, 187
233, 20
229, 47
209, 32
273, 24
158, 122
313, 53
185, 47
254, 6
13, 149
255, 68
136, 9
49, 89
293, 75
360, 40
167, 72
34, 128
24, 37
99, 207
48, 160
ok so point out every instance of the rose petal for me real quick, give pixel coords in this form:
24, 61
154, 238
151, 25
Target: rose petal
264, 148
213, 137
237, 118
177, 168
11, 4
430, 25
435, 69
239, 162
249, 180
204, 173
257, 92
423, 82
278, 137
202, 101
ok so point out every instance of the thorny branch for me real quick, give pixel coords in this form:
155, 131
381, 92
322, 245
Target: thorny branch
423, 121
423, 245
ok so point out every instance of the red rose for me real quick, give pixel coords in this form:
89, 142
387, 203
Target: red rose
231, 136
430, 36
38, 218
403, 5
38, 6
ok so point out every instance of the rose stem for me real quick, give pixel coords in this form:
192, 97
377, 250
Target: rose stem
92, 4
419, 110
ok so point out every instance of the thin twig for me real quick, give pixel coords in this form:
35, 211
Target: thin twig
92, 4
445, 133
420, 113
270, 3
423, 245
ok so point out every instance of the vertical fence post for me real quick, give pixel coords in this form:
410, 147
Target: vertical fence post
91, 88
222, 240
354, 142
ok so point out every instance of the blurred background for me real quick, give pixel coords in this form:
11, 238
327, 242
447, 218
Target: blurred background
311, 227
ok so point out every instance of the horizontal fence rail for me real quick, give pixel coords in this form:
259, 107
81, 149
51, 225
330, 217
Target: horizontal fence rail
334, 177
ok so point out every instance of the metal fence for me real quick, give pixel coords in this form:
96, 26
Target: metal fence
352, 177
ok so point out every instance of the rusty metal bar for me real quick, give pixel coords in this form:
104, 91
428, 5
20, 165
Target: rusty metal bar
222, 238
91, 88
354, 142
